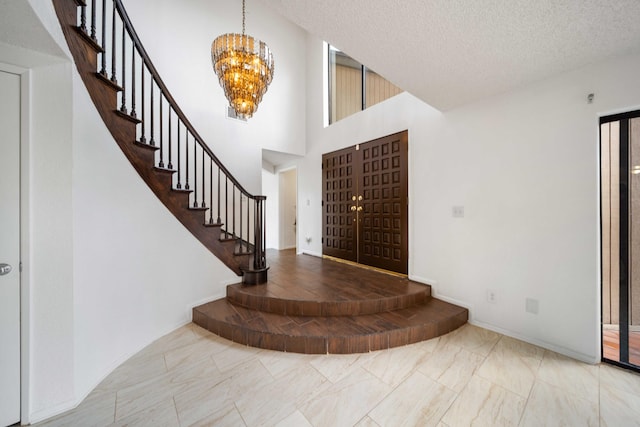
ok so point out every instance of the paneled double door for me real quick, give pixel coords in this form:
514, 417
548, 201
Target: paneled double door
365, 212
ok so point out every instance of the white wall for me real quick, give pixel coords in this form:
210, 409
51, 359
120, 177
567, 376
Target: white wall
178, 36
525, 167
50, 258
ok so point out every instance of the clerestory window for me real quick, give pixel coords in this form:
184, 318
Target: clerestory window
354, 87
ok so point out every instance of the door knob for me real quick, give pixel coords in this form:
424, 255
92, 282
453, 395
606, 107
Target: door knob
353, 198
5, 269
359, 198
359, 208
353, 208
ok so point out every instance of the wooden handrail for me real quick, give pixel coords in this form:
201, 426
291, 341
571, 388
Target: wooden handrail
174, 105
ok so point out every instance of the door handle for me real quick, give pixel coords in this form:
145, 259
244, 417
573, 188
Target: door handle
353, 208
359, 208
5, 269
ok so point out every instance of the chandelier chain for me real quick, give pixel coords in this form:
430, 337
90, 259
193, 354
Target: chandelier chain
243, 17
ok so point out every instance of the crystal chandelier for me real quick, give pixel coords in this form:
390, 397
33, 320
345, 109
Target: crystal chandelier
244, 66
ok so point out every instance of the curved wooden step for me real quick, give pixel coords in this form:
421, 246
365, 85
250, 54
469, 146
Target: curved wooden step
122, 127
315, 305
322, 334
290, 292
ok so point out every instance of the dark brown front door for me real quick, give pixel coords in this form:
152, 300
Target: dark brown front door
365, 214
339, 189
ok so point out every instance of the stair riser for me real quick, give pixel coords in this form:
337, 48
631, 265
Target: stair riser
323, 308
331, 344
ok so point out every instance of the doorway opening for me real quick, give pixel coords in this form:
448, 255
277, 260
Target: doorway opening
10, 283
620, 238
288, 195
281, 189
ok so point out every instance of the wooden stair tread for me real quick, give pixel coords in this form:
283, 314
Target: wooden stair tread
146, 146
329, 334
108, 82
128, 116
91, 42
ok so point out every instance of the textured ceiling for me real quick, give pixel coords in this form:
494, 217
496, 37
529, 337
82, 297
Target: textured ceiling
452, 52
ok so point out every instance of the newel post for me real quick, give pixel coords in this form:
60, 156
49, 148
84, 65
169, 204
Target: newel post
260, 257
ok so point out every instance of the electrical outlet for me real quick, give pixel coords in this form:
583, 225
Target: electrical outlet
457, 211
491, 296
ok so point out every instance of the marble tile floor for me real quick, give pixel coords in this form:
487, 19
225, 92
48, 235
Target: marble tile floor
470, 377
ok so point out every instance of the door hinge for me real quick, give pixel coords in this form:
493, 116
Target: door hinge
322, 203
322, 240
20, 267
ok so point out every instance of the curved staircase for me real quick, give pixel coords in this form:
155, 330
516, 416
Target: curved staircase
311, 305
159, 141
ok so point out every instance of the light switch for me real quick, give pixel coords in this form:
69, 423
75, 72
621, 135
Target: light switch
457, 211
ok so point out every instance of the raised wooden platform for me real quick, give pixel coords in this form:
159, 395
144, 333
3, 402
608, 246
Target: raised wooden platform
315, 305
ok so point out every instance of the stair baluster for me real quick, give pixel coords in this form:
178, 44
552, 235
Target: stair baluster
170, 138
143, 138
133, 83
179, 184
152, 141
202, 204
161, 164
123, 93
226, 207
248, 219
113, 45
186, 144
93, 19
83, 18
195, 176
219, 219
210, 191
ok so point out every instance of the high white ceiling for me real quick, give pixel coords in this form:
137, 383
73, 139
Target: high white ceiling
452, 52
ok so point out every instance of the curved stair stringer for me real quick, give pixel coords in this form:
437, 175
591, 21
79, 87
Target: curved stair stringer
122, 127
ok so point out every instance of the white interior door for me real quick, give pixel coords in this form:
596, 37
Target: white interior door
9, 248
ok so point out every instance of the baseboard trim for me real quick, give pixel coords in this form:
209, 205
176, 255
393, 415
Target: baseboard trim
543, 344
312, 253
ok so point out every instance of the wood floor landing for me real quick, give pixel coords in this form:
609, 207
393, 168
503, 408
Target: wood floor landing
315, 305
304, 285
